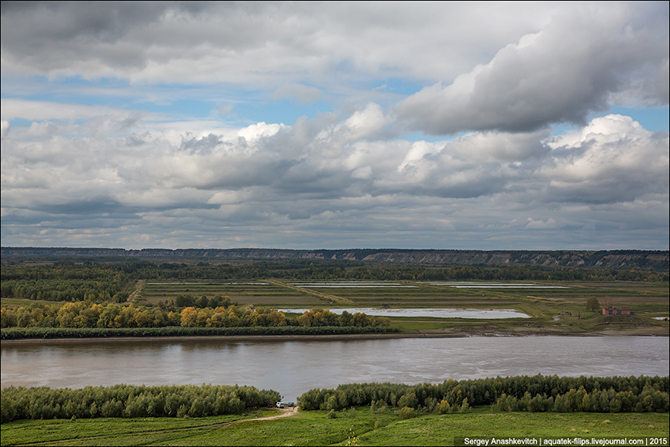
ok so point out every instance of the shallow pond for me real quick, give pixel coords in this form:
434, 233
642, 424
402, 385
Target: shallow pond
350, 285
491, 285
483, 314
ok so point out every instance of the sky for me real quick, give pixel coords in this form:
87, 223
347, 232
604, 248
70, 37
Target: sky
487, 126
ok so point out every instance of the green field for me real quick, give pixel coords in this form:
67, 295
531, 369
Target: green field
560, 311
314, 428
553, 311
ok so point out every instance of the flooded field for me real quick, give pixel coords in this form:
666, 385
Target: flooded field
492, 285
485, 314
350, 285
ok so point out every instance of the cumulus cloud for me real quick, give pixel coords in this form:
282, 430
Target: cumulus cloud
613, 159
499, 78
258, 44
327, 171
572, 67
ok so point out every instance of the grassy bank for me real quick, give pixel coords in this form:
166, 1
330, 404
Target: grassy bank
315, 428
177, 331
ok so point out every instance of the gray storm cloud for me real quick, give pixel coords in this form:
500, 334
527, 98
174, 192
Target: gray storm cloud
278, 45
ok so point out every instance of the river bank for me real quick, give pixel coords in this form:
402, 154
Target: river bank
450, 332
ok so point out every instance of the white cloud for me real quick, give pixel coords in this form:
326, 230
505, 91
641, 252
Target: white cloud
550, 223
5, 128
226, 109
302, 92
266, 44
12, 108
260, 130
499, 76
572, 67
613, 159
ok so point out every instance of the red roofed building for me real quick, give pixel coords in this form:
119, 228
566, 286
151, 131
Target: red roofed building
615, 311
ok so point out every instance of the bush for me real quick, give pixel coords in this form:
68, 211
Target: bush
443, 407
406, 412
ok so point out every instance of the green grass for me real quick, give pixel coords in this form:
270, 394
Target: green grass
100, 431
314, 428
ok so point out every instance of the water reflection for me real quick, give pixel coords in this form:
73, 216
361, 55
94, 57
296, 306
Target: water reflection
490, 285
350, 284
481, 314
294, 367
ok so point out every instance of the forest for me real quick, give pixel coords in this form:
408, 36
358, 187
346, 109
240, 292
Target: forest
131, 401
521, 393
67, 281
507, 394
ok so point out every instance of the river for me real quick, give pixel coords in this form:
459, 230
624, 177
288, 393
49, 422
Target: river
294, 367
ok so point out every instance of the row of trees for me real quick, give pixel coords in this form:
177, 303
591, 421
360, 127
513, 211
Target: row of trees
507, 393
131, 401
111, 315
180, 331
599, 401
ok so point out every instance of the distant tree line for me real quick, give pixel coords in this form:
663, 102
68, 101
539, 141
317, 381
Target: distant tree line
114, 282
617, 259
345, 270
66, 290
521, 393
131, 401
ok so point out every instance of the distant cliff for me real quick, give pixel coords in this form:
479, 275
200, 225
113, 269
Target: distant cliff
617, 259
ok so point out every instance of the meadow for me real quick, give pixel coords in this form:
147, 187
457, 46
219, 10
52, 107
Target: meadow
553, 310
352, 426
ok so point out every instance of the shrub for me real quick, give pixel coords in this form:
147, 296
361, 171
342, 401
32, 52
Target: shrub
443, 407
406, 412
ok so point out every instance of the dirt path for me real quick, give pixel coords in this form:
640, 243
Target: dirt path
325, 296
137, 293
285, 412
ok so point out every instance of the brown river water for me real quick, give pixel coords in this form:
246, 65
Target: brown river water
293, 367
